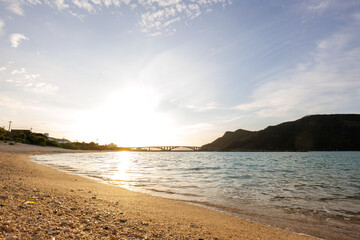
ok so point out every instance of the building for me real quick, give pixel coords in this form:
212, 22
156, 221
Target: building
62, 141
18, 131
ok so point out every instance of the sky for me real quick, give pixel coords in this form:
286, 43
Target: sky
174, 72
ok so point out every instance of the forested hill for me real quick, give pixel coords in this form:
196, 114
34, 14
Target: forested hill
337, 132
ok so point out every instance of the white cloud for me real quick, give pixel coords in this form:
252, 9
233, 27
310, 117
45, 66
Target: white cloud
16, 6
357, 17
157, 16
330, 81
60, 4
20, 77
162, 14
84, 4
2, 25
16, 39
319, 6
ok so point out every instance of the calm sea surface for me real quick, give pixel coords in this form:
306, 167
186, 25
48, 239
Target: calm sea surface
312, 182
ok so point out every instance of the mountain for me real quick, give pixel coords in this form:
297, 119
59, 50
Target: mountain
335, 132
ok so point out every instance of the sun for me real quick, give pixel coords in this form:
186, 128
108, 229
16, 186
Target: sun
128, 117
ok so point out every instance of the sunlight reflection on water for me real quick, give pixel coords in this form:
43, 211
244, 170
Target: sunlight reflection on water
122, 168
327, 182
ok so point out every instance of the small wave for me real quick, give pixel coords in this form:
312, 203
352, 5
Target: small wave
66, 168
139, 185
246, 176
185, 186
100, 177
327, 199
355, 197
190, 194
174, 193
203, 168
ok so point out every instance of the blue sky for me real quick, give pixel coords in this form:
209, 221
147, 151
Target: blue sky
169, 72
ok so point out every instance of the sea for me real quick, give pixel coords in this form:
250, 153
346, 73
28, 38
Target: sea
325, 185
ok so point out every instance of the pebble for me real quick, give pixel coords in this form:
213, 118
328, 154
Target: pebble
11, 238
50, 214
62, 224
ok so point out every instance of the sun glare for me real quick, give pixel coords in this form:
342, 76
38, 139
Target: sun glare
128, 117
123, 166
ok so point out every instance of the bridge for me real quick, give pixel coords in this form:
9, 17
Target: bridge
166, 148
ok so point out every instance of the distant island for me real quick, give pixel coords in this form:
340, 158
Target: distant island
335, 132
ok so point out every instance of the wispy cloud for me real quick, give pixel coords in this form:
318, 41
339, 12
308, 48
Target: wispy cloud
60, 4
16, 38
157, 16
10, 102
207, 107
20, 77
357, 17
326, 83
321, 6
86, 5
2, 25
160, 16
14, 6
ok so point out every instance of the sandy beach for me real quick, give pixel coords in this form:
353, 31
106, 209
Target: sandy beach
37, 202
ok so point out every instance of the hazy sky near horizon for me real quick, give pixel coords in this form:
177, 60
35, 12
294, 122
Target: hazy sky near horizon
174, 72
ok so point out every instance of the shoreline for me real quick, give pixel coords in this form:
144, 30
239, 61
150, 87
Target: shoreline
146, 216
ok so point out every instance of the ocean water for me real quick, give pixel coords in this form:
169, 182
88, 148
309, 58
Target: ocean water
320, 183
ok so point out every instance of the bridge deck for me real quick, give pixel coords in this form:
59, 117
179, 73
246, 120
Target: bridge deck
166, 148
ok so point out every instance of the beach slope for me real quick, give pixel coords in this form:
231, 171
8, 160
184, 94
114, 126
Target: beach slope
37, 202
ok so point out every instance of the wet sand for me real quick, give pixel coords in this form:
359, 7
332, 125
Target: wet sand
37, 202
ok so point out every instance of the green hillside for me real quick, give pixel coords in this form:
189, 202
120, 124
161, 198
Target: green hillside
26, 136
337, 132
